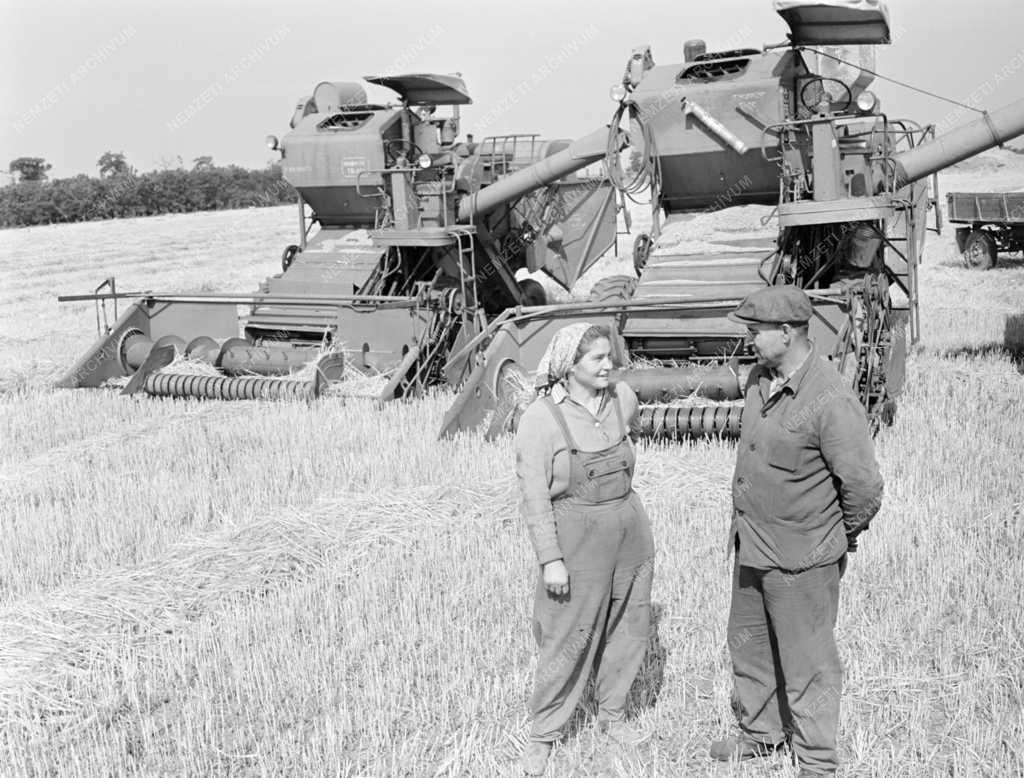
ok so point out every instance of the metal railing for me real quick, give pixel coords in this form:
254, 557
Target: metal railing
508, 159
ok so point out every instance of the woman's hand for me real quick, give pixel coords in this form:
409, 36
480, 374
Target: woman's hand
556, 578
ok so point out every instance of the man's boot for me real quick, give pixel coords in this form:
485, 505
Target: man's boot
739, 749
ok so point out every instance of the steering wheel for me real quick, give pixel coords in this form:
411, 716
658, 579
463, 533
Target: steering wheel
399, 147
821, 80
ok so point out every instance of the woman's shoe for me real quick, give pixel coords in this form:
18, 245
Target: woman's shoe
625, 734
535, 757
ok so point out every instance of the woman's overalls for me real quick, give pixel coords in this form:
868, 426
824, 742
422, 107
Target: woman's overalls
603, 623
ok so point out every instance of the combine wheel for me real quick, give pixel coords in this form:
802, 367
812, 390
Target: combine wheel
532, 292
613, 289
512, 392
288, 256
980, 250
452, 301
641, 251
396, 148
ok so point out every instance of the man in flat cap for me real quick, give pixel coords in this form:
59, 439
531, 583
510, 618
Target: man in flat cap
806, 484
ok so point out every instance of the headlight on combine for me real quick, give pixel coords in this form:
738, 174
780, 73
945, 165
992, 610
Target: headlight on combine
424, 161
272, 142
866, 101
617, 93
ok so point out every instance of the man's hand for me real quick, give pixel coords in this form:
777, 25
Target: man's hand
556, 578
851, 538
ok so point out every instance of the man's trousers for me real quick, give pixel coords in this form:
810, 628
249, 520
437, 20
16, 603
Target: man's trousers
786, 668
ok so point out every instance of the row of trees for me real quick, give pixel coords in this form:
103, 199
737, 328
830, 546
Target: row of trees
122, 192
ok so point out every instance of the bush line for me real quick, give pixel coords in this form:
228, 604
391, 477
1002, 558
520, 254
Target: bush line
83, 198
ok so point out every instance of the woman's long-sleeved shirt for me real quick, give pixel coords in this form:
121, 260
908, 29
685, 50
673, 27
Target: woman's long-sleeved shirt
542, 455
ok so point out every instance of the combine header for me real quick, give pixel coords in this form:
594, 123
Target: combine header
420, 239
793, 126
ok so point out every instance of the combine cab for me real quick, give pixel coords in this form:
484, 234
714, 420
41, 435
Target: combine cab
410, 242
792, 126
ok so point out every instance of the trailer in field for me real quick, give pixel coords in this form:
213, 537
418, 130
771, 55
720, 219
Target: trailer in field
995, 223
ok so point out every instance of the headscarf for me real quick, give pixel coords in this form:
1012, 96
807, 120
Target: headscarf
560, 356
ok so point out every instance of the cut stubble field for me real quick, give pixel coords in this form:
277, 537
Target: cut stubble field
263, 589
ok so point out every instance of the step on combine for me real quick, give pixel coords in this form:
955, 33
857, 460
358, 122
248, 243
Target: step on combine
792, 126
412, 239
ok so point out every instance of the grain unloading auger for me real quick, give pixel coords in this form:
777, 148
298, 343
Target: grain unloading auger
420, 238
792, 126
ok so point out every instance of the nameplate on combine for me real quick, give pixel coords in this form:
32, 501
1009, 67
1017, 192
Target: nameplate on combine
352, 166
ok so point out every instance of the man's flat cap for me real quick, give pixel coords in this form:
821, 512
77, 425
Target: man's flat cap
774, 305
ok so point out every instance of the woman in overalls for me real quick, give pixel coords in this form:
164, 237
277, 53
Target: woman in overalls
592, 537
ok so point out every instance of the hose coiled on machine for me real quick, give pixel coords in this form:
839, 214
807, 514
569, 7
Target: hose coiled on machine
648, 176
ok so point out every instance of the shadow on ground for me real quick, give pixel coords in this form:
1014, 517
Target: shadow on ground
1014, 262
1003, 262
646, 688
1012, 346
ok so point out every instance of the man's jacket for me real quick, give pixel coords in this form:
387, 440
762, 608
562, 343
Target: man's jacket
806, 476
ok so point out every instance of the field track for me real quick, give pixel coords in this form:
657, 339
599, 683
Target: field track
260, 589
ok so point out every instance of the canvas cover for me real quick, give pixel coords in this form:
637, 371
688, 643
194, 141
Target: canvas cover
426, 88
329, 96
835, 22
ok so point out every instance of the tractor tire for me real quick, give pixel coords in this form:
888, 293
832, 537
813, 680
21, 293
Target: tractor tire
642, 246
980, 250
532, 292
613, 289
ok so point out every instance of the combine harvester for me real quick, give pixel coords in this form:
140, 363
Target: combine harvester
420, 239
792, 126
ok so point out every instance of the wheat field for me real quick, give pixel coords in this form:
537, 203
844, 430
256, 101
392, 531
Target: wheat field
192, 588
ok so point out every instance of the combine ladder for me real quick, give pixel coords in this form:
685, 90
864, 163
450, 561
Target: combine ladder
905, 272
465, 242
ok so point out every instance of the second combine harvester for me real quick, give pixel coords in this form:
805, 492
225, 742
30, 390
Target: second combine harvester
792, 126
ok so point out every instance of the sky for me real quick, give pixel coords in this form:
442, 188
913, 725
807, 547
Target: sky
162, 80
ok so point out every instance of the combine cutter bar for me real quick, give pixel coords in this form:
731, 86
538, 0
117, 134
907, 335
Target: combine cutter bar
221, 387
243, 299
218, 387
675, 422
